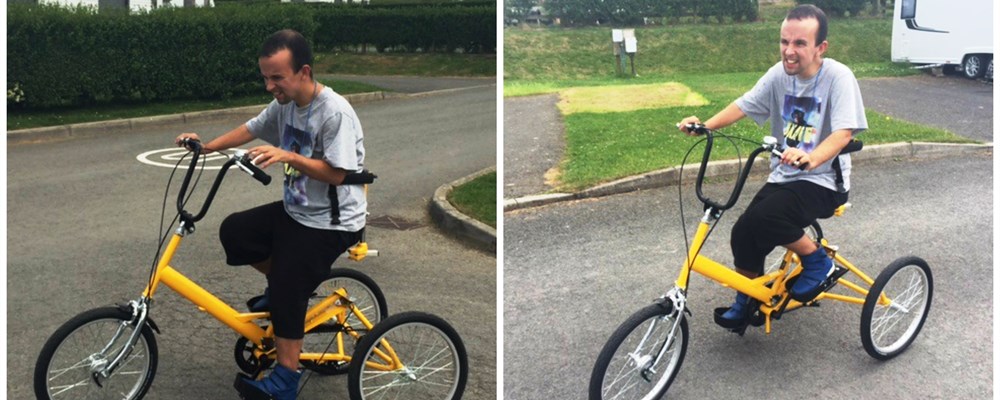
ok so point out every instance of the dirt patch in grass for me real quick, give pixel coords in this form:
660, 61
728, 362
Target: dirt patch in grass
602, 99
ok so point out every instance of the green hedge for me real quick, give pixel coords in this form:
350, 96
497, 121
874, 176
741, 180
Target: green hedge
61, 57
472, 29
74, 56
838, 8
636, 12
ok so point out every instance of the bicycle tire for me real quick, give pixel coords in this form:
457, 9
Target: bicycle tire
635, 328
369, 299
82, 363
919, 294
408, 334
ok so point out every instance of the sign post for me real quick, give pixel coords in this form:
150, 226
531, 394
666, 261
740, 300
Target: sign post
618, 48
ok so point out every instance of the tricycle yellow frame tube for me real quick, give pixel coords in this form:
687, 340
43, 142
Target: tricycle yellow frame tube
210, 304
718, 272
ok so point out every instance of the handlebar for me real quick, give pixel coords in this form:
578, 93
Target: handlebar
239, 159
770, 144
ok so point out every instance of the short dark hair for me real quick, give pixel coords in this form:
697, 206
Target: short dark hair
294, 42
807, 11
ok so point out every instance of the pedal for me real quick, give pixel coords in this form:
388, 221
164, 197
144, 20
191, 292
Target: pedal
249, 392
831, 280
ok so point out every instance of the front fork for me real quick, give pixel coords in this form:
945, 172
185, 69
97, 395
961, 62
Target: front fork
140, 313
646, 363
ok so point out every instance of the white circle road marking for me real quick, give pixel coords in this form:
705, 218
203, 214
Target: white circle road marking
168, 158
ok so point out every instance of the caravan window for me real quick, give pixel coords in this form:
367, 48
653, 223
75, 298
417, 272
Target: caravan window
909, 9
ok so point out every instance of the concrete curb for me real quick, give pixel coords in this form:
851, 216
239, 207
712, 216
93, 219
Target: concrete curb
137, 124
670, 176
449, 219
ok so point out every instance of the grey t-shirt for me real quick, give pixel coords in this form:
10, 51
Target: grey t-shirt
805, 112
331, 132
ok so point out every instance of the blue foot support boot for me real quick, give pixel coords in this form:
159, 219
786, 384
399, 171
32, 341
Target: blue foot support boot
816, 267
735, 317
260, 303
281, 384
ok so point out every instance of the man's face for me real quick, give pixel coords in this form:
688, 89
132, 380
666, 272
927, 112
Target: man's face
280, 78
799, 52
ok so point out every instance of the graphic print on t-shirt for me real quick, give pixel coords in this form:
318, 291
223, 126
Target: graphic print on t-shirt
802, 118
297, 141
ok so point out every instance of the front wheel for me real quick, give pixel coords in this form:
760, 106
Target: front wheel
69, 364
625, 368
411, 355
888, 328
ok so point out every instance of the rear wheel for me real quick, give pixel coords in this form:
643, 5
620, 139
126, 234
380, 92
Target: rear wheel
433, 364
888, 329
70, 362
366, 295
624, 367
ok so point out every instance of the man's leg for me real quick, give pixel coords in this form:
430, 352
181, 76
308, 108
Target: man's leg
288, 351
803, 247
264, 266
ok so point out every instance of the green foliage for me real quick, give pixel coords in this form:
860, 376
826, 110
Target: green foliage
75, 56
556, 55
428, 29
838, 8
633, 12
478, 198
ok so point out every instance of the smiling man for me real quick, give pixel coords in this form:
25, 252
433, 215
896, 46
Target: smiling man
815, 108
316, 135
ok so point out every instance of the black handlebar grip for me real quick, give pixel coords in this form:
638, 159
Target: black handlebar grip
255, 172
191, 144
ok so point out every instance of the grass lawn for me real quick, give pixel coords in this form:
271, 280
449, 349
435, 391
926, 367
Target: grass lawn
719, 62
425, 64
478, 198
35, 119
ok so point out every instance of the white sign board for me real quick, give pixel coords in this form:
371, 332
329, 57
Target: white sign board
628, 33
616, 35
630, 45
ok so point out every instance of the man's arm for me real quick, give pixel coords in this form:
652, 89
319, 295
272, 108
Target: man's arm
827, 150
728, 116
264, 156
236, 137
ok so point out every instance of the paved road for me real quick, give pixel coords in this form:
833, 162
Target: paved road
82, 216
410, 84
953, 103
574, 271
534, 140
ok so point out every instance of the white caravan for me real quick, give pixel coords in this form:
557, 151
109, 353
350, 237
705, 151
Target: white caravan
955, 33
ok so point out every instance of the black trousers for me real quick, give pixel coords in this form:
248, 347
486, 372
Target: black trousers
776, 216
301, 258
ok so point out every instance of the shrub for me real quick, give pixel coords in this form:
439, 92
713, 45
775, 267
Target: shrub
74, 56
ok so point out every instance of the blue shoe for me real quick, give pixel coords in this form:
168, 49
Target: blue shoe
737, 311
816, 267
281, 384
736, 316
260, 303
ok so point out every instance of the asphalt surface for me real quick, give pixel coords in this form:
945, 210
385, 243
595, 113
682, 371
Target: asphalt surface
953, 103
82, 219
410, 84
534, 141
574, 271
